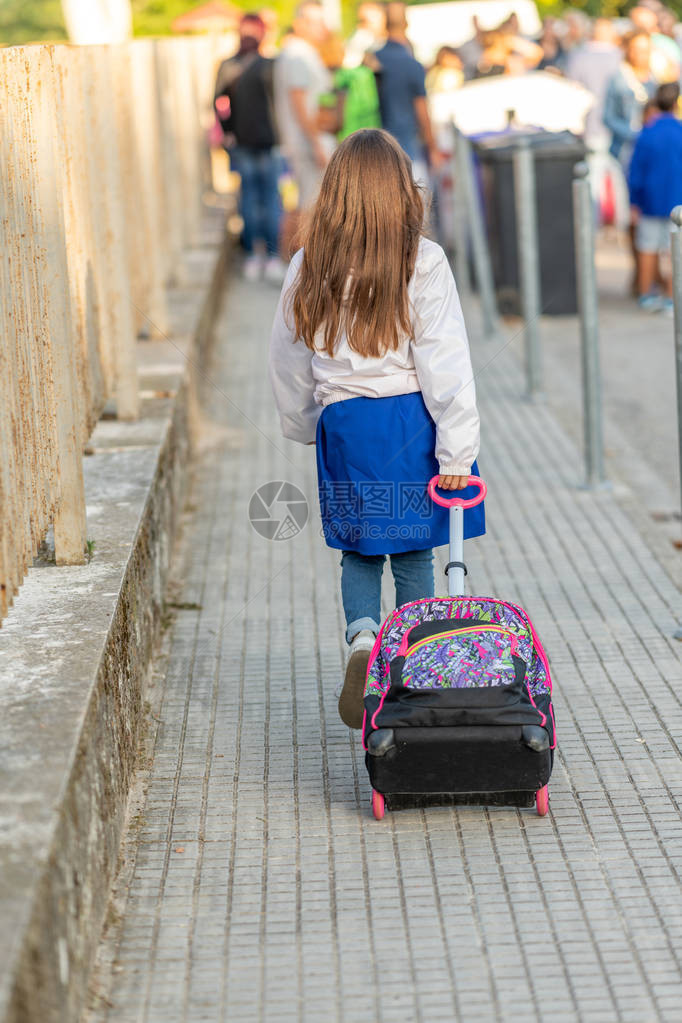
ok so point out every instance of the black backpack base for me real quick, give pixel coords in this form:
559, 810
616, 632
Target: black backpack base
482, 765
424, 800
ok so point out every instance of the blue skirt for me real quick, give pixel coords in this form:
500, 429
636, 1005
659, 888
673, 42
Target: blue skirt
375, 457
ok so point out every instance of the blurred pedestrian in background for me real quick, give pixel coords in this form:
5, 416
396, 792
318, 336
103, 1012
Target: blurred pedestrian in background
554, 56
626, 95
268, 16
497, 56
443, 81
665, 53
506, 52
369, 36
593, 64
324, 90
355, 89
655, 181
301, 79
576, 30
332, 102
447, 73
402, 95
470, 52
243, 103
669, 28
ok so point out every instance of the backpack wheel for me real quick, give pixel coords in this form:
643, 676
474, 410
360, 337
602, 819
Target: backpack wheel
542, 801
378, 804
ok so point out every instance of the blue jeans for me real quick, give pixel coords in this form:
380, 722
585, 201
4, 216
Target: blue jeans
361, 585
259, 203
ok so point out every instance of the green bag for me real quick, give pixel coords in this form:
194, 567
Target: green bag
361, 107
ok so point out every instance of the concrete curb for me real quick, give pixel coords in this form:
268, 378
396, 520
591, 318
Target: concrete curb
47, 981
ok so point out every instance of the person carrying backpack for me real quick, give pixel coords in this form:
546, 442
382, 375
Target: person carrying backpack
369, 360
244, 106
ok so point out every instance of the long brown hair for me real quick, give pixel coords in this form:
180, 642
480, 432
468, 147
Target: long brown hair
360, 248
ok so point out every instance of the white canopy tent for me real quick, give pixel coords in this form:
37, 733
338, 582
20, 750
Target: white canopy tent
91, 22
538, 99
431, 26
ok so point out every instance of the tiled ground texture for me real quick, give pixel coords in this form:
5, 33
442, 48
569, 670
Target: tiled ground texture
260, 888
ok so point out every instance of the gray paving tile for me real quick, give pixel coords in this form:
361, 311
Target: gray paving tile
288, 900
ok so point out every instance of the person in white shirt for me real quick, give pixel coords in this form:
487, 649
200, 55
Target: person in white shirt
301, 78
369, 35
369, 360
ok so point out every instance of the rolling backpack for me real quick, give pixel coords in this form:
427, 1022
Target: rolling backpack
458, 697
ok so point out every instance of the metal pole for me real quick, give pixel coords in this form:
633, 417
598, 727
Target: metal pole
676, 246
460, 218
529, 264
588, 307
456, 551
479, 241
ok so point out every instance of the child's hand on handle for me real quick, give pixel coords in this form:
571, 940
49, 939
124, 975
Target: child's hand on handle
453, 482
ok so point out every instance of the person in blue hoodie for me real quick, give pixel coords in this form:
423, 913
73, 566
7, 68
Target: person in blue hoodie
655, 180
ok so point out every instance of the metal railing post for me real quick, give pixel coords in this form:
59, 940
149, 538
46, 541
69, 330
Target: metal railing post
676, 246
529, 263
460, 215
588, 308
479, 241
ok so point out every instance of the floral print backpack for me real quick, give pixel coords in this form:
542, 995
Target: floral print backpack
458, 662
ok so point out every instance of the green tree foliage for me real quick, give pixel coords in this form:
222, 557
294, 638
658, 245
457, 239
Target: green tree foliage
593, 8
24, 21
154, 17
30, 21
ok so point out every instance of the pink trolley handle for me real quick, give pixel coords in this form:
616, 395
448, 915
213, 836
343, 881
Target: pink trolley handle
456, 569
458, 502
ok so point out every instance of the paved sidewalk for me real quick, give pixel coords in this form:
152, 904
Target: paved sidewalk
255, 884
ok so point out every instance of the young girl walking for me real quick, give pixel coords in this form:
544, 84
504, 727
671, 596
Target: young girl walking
369, 360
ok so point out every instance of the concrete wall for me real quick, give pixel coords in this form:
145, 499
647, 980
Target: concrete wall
103, 162
72, 702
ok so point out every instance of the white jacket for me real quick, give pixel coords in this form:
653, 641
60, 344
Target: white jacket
434, 361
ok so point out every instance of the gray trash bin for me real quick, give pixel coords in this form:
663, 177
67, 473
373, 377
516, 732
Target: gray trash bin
555, 155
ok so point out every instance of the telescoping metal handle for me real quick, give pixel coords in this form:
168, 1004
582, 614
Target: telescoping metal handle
456, 568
